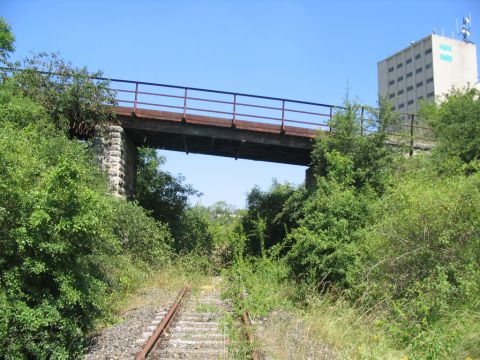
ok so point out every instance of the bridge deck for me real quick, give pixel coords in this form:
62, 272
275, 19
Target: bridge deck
216, 136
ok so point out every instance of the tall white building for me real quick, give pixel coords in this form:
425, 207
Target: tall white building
427, 69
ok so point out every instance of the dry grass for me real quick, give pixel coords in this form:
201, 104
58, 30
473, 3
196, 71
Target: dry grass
160, 287
325, 330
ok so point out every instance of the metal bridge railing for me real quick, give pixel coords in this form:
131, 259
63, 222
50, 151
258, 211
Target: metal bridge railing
409, 130
223, 104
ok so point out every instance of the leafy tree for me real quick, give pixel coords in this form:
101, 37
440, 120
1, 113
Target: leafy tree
352, 170
70, 95
6, 40
225, 227
261, 223
61, 236
50, 229
356, 152
456, 123
195, 235
160, 192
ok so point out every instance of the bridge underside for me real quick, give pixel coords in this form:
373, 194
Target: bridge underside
216, 136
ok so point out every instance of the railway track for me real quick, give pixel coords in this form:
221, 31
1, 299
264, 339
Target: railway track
190, 329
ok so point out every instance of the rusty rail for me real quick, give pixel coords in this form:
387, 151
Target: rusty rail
247, 323
248, 334
163, 325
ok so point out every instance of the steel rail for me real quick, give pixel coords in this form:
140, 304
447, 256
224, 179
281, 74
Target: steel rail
247, 324
163, 325
248, 334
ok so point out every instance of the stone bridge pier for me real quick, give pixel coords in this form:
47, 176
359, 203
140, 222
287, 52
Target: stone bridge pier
117, 156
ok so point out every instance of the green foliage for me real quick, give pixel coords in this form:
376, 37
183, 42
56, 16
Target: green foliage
48, 236
259, 280
195, 235
261, 223
423, 256
397, 237
324, 247
6, 40
352, 170
160, 192
351, 156
141, 236
68, 94
456, 123
65, 244
228, 239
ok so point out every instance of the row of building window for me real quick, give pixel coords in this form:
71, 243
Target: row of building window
410, 74
410, 88
409, 61
410, 102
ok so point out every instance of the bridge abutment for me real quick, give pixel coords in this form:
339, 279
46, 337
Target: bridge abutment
117, 155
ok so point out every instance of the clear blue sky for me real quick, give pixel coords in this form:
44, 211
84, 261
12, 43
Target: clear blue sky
308, 50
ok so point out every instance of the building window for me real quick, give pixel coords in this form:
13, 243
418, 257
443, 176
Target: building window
410, 88
399, 65
410, 102
393, 108
400, 106
430, 94
390, 69
417, 56
391, 95
391, 82
420, 98
400, 78
400, 92
409, 61
428, 51
419, 70
429, 80
409, 74
428, 66
419, 84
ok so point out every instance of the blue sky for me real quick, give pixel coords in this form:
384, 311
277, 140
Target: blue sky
307, 50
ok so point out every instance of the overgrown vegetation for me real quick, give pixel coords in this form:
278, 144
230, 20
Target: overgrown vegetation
392, 237
380, 259
67, 247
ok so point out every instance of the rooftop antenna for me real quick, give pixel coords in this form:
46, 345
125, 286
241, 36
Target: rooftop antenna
466, 28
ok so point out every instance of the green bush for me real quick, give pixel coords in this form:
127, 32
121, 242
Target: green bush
260, 280
352, 171
456, 125
264, 224
65, 245
141, 236
195, 236
424, 258
164, 195
324, 247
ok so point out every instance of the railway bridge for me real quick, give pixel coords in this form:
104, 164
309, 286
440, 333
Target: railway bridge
203, 121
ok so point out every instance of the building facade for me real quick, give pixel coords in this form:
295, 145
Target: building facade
426, 70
